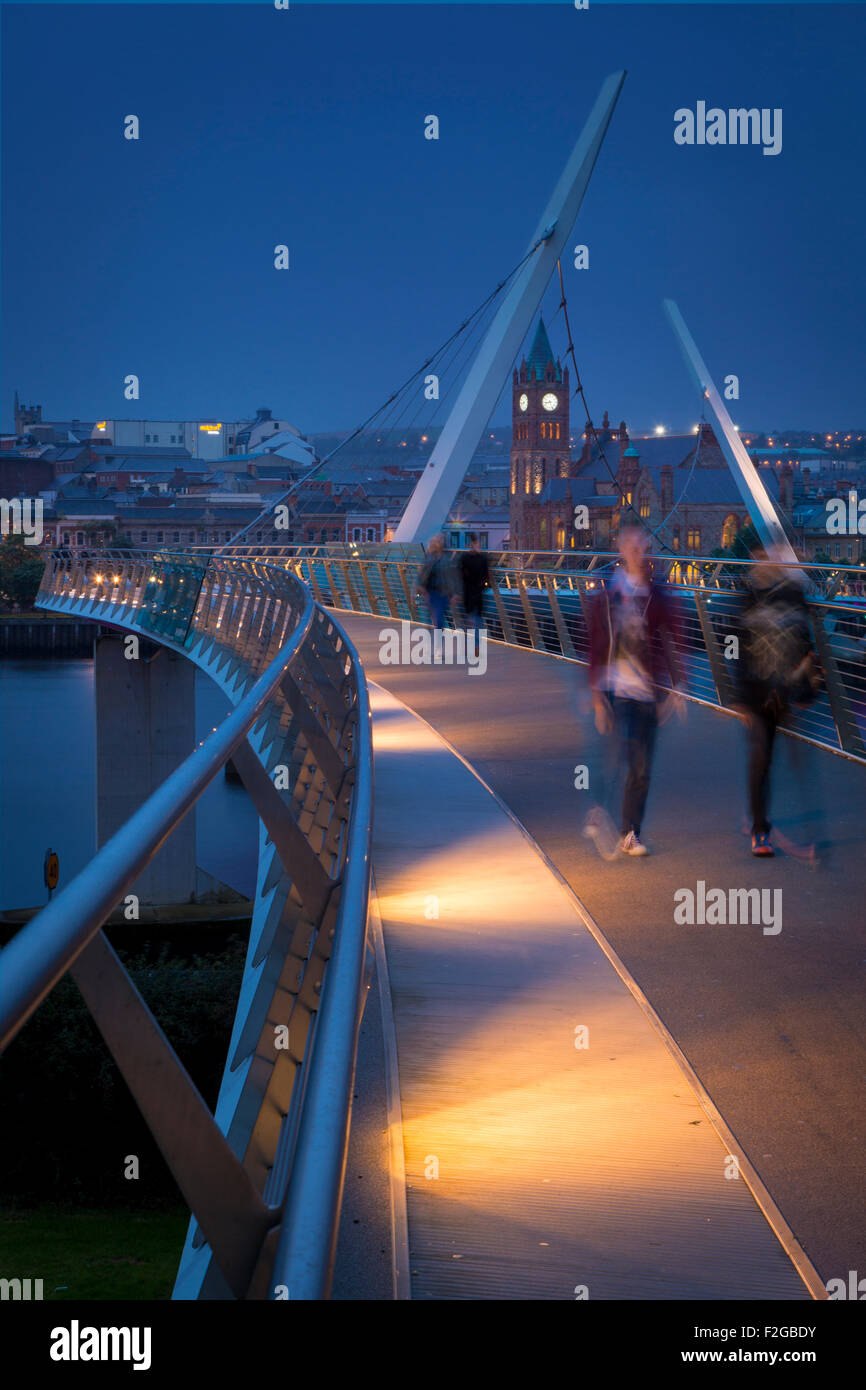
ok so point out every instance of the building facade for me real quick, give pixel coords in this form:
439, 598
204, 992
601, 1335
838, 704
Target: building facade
540, 441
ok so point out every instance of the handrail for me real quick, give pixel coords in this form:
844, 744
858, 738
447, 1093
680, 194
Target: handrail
548, 561
306, 1249
258, 631
545, 608
44, 949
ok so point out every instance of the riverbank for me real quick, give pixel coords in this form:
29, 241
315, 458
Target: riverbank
46, 635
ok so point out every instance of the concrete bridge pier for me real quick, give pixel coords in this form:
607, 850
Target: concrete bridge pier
145, 727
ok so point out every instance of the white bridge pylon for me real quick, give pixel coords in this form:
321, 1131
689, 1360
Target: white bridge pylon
446, 468
757, 500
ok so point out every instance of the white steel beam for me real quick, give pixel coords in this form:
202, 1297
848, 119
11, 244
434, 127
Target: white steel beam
754, 494
446, 468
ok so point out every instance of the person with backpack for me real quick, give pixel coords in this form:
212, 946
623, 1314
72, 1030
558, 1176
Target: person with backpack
633, 645
435, 580
776, 669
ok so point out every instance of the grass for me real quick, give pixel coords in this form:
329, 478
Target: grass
94, 1254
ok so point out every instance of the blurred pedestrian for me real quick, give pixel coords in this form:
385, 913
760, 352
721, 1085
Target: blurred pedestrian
776, 669
475, 577
436, 580
633, 644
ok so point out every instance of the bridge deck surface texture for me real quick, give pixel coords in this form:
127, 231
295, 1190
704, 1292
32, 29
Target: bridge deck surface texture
535, 1168
773, 1025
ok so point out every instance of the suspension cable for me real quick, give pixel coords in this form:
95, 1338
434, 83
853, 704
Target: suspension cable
393, 397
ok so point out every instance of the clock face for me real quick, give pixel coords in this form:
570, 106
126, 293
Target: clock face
523, 402
550, 402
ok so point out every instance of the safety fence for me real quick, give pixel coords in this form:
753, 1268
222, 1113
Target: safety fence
263, 1174
546, 608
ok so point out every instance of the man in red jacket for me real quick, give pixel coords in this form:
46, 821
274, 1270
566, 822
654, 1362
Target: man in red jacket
633, 640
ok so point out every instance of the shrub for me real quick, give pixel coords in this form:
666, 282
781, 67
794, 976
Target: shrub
68, 1119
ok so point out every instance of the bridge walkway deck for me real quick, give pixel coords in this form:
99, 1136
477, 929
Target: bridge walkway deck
535, 1168
773, 1026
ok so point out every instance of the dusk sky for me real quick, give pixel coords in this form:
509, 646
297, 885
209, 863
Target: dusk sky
306, 127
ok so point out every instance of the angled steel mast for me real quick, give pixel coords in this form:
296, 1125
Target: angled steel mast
758, 501
437, 487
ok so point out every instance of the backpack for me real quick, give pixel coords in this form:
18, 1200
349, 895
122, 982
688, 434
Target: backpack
778, 642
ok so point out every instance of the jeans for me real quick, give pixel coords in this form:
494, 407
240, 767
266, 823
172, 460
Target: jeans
438, 607
636, 724
762, 735
473, 608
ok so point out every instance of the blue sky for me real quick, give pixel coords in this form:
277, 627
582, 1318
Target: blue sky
261, 126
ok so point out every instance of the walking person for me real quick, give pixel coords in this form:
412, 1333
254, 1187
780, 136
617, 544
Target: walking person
436, 581
475, 577
633, 644
776, 669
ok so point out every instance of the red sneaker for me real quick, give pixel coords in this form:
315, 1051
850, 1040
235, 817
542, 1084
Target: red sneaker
761, 846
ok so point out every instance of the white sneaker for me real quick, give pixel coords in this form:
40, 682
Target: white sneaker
600, 828
630, 844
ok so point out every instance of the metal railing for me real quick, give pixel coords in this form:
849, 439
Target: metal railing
263, 1174
545, 607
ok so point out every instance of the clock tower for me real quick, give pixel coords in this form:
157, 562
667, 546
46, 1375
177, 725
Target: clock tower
540, 441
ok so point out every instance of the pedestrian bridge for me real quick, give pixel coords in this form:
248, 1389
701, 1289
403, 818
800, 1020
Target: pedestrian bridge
561, 1092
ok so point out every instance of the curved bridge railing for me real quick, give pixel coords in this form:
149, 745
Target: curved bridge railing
542, 601
262, 1175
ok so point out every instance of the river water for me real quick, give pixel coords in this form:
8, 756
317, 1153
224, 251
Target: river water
48, 782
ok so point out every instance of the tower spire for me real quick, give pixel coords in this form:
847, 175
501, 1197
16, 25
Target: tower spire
541, 354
